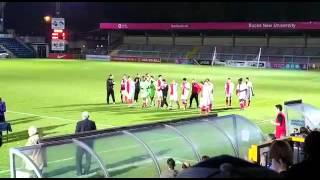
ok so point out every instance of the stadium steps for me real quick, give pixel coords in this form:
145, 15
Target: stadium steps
17, 48
5, 50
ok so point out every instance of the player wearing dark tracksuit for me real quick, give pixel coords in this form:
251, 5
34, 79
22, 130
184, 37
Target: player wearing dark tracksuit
110, 89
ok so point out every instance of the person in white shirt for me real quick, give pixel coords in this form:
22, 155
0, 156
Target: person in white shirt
130, 90
249, 92
159, 90
123, 90
228, 89
242, 93
185, 89
173, 93
204, 98
210, 89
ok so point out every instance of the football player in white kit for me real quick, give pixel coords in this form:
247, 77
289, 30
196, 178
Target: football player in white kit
130, 90
204, 98
228, 89
242, 93
123, 90
249, 92
173, 93
185, 89
159, 91
144, 86
210, 89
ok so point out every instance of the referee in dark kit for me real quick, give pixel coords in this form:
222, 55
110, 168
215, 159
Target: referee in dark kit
110, 88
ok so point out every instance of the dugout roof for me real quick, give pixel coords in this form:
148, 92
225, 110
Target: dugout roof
300, 114
140, 151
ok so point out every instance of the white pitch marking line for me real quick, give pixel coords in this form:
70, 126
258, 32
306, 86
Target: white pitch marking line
52, 117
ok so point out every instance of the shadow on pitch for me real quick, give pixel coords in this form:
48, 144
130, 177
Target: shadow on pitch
24, 120
23, 135
73, 105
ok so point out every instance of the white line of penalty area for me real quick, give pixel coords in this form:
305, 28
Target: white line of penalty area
53, 117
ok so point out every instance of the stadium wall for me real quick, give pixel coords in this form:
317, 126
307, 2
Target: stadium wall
251, 41
222, 41
313, 42
188, 41
134, 40
163, 40
287, 41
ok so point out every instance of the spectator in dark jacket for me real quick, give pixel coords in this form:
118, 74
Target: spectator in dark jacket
83, 126
3, 109
309, 167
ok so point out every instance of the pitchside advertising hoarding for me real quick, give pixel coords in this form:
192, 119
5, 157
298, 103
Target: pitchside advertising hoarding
235, 63
60, 56
136, 59
98, 57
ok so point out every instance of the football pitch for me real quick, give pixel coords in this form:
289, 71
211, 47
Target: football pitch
51, 94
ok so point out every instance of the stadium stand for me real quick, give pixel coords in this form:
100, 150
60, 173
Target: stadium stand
17, 48
2, 50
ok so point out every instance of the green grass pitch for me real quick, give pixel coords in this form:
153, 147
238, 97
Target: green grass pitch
51, 94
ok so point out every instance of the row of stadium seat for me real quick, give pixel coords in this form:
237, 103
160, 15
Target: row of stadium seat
206, 51
2, 50
16, 48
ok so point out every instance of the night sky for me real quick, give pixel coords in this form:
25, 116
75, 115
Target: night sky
27, 18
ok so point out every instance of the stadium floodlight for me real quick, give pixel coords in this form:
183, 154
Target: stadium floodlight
47, 19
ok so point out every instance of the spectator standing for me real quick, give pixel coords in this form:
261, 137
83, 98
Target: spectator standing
3, 109
83, 126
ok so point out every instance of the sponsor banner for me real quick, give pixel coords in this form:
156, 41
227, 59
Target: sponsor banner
277, 65
57, 23
235, 63
136, 59
98, 57
58, 45
183, 61
204, 62
60, 56
292, 66
310, 25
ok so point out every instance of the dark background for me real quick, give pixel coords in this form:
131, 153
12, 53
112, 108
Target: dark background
27, 18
